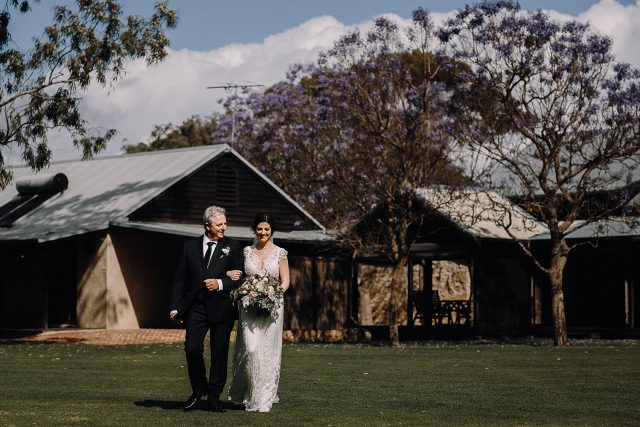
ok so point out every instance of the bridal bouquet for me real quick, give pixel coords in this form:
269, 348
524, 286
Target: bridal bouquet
264, 292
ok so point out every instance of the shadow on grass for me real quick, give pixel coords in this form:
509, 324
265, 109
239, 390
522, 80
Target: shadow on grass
175, 405
164, 404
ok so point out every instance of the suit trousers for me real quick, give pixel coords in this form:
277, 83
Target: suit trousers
197, 325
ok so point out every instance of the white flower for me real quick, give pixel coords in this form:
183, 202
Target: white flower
225, 251
260, 291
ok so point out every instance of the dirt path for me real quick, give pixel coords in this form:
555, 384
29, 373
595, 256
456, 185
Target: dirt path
109, 337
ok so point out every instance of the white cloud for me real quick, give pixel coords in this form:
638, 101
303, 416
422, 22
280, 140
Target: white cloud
176, 89
621, 23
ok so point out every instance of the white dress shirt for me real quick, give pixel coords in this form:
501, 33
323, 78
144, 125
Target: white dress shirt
206, 240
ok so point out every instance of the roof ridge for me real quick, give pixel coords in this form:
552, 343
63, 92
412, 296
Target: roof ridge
127, 155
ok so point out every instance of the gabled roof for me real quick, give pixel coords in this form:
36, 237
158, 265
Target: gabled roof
486, 214
610, 228
109, 189
483, 214
278, 189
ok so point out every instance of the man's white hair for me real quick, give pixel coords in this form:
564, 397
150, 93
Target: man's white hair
211, 212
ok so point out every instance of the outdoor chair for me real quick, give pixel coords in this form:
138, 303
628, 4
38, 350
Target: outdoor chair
418, 304
439, 309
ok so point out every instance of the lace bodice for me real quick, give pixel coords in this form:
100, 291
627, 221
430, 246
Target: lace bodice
253, 264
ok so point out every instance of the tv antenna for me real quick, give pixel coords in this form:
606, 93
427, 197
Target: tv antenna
234, 87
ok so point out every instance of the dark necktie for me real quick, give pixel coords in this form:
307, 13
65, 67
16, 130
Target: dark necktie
207, 254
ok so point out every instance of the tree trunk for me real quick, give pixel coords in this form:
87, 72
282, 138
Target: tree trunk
395, 302
559, 254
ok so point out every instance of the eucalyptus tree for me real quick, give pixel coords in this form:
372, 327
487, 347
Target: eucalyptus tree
354, 136
194, 131
562, 121
41, 85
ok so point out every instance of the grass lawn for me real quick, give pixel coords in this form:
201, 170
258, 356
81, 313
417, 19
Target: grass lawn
588, 383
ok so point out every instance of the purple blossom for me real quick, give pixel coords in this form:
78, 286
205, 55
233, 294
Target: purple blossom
358, 122
421, 17
494, 7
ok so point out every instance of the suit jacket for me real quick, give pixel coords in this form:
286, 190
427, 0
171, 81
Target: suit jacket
188, 285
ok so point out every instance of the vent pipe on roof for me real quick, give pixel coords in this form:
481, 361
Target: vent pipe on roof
42, 184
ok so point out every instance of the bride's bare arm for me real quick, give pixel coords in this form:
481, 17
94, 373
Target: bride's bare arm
284, 273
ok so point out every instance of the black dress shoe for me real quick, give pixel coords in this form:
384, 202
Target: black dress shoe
215, 407
192, 401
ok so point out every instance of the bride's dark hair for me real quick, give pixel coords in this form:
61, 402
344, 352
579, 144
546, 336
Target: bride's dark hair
264, 217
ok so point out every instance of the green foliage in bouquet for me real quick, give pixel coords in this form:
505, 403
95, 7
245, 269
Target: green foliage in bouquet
263, 292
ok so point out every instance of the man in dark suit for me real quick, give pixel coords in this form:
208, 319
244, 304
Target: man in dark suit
201, 299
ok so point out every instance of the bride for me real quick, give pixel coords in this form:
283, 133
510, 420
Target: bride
256, 360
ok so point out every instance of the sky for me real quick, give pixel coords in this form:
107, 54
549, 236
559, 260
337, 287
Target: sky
255, 41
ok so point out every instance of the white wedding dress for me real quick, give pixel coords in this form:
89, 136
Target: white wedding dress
256, 359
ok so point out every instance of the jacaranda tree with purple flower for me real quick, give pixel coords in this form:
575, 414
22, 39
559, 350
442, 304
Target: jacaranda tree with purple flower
562, 121
357, 133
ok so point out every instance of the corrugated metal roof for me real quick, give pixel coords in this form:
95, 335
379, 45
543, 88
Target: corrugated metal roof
189, 230
486, 214
108, 189
483, 214
611, 228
